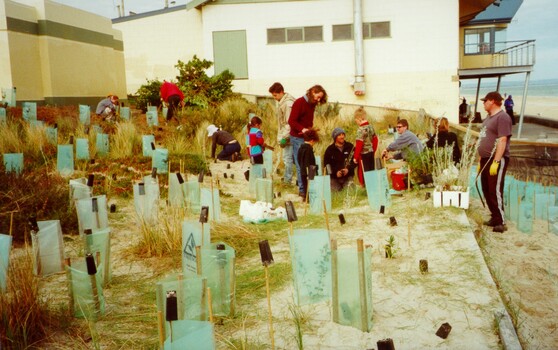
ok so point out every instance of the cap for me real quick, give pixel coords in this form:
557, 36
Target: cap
211, 130
494, 96
336, 132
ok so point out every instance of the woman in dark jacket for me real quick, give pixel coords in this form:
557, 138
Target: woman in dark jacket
443, 138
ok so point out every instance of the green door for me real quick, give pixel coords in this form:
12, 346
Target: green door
229, 52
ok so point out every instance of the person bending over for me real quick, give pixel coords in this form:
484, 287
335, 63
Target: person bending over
231, 147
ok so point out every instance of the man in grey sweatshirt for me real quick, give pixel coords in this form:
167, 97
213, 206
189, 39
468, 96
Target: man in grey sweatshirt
406, 142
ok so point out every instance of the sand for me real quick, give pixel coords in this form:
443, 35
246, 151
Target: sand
537, 106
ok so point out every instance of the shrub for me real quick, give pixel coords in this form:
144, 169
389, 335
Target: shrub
199, 89
148, 95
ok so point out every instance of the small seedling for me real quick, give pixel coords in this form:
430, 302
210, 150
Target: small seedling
390, 247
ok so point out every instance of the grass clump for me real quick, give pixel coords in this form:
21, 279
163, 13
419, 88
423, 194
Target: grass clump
24, 314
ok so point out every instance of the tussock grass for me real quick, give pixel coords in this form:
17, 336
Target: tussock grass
24, 314
126, 142
239, 236
164, 238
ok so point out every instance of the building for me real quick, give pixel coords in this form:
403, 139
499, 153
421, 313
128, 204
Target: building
58, 55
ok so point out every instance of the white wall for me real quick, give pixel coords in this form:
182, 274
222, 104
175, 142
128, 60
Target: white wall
415, 68
153, 45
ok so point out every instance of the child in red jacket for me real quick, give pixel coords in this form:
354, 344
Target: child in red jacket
365, 145
255, 140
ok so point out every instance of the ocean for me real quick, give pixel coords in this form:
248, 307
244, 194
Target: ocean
538, 88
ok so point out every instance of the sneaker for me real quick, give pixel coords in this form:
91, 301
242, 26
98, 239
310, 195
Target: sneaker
500, 228
490, 223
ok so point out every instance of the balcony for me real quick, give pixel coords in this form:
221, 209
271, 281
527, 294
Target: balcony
484, 60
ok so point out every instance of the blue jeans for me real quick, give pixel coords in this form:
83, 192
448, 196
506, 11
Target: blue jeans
296, 142
228, 150
288, 161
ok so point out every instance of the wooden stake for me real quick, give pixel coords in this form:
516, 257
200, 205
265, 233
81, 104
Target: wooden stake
37, 251
269, 308
210, 304
291, 230
325, 214
68, 265
198, 259
180, 296
202, 234
362, 286
212, 203
11, 222
334, 282
95, 292
203, 315
233, 282
161, 326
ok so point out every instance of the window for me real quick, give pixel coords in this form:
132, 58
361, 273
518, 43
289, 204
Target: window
294, 35
483, 41
370, 30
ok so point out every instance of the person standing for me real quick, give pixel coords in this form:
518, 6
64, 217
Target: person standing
406, 142
172, 96
107, 107
443, 138
494, 152
337, 160
305, 157
301, 120
365, 145
255, 140
508, 104
283, 108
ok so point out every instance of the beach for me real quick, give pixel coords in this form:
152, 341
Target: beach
537, 106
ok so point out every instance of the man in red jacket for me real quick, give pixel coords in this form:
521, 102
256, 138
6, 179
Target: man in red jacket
301, 120
171, 94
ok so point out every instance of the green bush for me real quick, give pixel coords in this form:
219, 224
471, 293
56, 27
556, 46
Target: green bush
199, 89
148, 95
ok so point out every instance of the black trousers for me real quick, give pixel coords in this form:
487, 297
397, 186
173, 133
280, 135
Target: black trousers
493, 188
173, 101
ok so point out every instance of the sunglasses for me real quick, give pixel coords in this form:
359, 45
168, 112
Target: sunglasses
399, 126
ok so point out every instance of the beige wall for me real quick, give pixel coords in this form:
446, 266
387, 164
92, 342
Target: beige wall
154, 44
60, 55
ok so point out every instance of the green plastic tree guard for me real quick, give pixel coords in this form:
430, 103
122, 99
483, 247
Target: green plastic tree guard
147, 142
218, 267
65, 160
125, 113
350, 308
152, 119
160, 160
146, 201
191, 238
5, 247
29, 110
188, 334
13, 162
377, 189
85, 114
82, 149
102, 144
92, 213
79, 189
214, 203
48, 248
311, 262
319, 189
52, 135
191, 298
99, 241
83, 293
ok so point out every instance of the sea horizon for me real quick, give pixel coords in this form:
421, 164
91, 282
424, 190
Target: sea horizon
539, 88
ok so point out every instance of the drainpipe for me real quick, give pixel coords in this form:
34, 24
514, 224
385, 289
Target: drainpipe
359, 85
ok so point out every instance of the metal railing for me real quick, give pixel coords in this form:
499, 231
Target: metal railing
505, 54
519, 54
